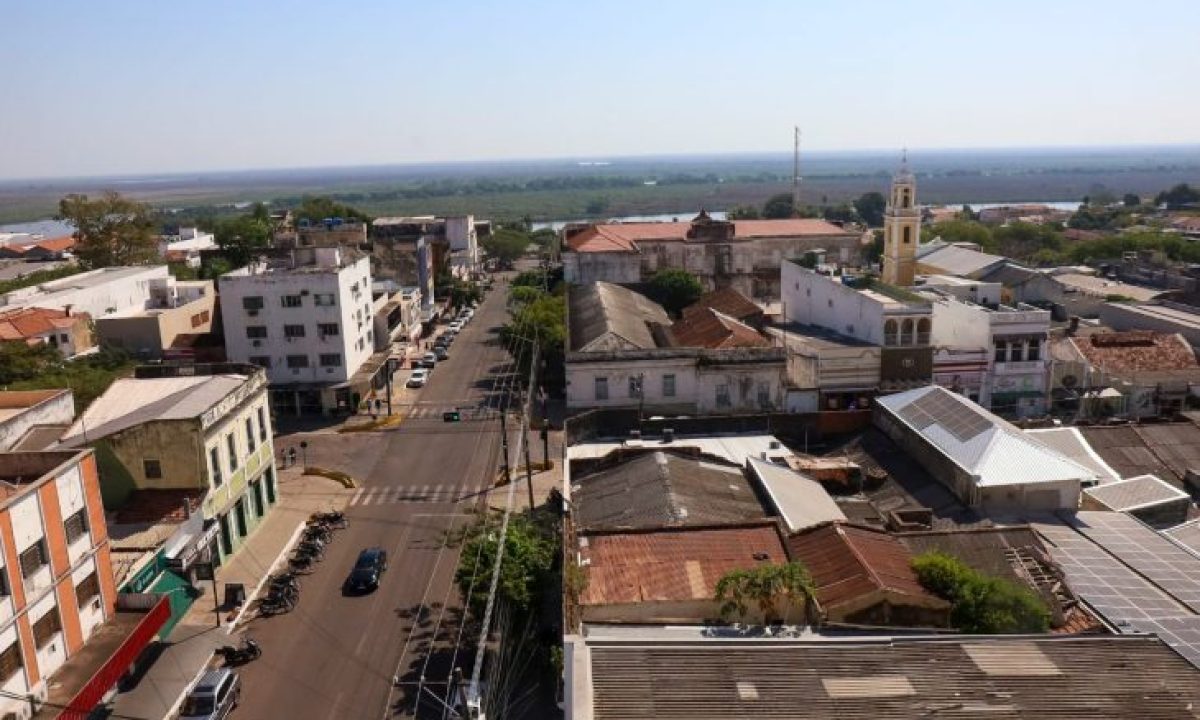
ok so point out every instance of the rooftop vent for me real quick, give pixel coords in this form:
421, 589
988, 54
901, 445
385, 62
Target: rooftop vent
668, 435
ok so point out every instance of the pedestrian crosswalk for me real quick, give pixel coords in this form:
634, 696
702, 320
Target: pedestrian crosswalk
435, 412
412, 494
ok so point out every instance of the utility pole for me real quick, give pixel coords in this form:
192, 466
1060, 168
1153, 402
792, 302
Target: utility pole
391, 368
528, 462
504, 445
796, 172
545, 433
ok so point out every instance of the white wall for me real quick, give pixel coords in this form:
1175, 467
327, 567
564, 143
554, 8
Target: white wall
581, 383
70, 501
352, 314
743, 383
216, 437
97, 292
823, 301
91, 615
959, 325
18, 684
53, 411
53, 654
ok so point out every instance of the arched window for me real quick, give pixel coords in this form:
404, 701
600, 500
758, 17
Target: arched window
923, 326
907, 234
889, 333
906, 202
906, 332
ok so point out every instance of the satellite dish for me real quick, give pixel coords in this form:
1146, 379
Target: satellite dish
1070, 381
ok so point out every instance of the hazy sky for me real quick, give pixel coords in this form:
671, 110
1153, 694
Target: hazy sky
121, 86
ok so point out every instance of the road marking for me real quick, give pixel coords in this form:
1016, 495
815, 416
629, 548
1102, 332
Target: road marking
357, 495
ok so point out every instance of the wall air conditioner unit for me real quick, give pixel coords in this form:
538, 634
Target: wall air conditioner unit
257, 343
252, 313
303, 292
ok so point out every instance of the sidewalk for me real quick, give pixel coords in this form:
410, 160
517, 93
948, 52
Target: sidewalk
543, 482
190, 647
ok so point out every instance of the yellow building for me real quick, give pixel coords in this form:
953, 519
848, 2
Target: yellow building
901, 229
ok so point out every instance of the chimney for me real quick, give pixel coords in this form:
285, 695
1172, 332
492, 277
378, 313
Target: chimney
67, 309
668, 435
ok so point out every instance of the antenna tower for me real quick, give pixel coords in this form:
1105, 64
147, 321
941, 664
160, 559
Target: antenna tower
796, 173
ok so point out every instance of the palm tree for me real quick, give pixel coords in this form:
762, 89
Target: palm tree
768, 587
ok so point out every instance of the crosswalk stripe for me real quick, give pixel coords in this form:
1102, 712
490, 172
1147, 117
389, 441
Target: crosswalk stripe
357, 495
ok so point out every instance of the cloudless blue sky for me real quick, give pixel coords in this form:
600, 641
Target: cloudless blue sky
179, 85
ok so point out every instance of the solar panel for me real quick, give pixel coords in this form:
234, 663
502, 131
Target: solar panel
1129, 600
942, 408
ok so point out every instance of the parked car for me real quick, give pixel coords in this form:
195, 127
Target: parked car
456, 326
441, 352
214, 696
367, 570
428, 360
418, 378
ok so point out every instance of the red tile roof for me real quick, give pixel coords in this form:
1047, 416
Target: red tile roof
850, 563
708, 328
624, 237
1137, 351
672, 565
27, 323
58, 244
727, 300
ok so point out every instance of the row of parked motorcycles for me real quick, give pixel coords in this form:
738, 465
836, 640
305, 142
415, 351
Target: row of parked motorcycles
283, 589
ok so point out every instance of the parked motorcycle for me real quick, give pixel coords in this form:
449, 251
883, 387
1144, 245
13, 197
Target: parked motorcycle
244, 653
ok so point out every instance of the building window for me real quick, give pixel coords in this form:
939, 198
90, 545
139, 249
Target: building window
324, 299
88, 589
297, 361
723, 396
601, 388
33, 558
1016, 353
214, 458
635, 387
291, 301
331, 360
1033, 351
262, 425
907, 235
199, 319
231, 444
252, 302
256, 332
45, 629
1001, 351
328, 329
10, 662
668, 385
76, 526
152, 469
890, 336
764, 395
906, 332
249, 434
293, 331
262, 361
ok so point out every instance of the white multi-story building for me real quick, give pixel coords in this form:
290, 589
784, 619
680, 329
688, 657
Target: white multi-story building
1013, 339
185, 246
308, 321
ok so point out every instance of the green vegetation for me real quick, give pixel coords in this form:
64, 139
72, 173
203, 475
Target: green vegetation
1178, 197
316, 208
674, 289
771, 588
110, 230
530, 550
37, 277
981, 604
870, 207
507, 244
23, 367
240, 236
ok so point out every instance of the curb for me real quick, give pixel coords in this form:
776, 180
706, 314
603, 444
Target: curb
341, 477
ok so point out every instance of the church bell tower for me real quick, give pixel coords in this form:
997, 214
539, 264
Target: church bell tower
901, 229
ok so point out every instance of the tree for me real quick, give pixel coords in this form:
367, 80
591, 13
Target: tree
239, 237
778, 207
1131, 200
1178, 197
316, 208
541, 318
529, 552
39, 367
596, 206
981, 604
506, 245
110, 230
773, 589
844, 213
870, 207
674, 289
743, 212
952, 231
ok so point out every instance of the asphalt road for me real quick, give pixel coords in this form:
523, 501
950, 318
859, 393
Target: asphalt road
336, 656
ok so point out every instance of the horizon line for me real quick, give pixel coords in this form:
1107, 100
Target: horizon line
587, 158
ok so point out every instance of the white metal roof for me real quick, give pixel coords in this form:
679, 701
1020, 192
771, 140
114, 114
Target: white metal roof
995, 451
734, 448
800, 501
1071, 443
1136, 492
133, 401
